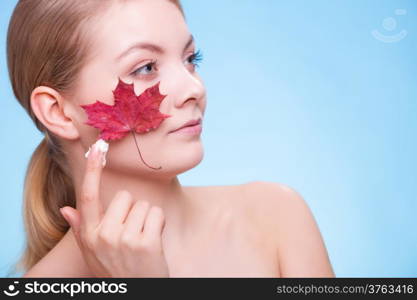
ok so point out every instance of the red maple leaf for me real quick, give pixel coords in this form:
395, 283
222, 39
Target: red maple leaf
130, 113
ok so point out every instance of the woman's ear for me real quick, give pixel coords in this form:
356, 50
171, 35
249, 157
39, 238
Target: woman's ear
48, 106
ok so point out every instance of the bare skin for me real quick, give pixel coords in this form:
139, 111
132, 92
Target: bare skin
248, 233
255, 229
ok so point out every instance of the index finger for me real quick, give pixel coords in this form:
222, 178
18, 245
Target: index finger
89, 204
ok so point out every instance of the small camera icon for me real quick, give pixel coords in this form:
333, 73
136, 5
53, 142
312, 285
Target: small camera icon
12, 291
390, 24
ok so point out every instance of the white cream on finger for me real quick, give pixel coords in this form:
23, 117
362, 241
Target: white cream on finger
102, 146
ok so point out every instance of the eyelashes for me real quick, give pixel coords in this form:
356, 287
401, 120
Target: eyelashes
194, 59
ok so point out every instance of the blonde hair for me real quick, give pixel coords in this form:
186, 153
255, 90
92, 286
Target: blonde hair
47, 44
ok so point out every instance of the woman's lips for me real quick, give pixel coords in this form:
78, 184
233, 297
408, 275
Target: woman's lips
189, 130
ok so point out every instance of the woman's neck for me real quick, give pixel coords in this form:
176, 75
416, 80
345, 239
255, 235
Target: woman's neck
167, 193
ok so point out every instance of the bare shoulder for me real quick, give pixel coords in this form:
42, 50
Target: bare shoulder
63, 260
266, 196
287, 217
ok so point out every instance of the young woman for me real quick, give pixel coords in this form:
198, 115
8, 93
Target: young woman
125, 219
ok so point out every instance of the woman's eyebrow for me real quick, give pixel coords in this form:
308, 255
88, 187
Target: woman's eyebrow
150, 47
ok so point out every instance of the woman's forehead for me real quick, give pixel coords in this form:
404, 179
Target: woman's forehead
127, 22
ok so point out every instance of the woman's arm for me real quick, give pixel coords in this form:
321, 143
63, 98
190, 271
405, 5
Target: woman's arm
301, 249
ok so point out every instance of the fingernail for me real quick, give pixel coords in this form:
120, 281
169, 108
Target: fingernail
62, 213
65, 217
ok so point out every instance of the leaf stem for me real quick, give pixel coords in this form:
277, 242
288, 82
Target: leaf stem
134, 138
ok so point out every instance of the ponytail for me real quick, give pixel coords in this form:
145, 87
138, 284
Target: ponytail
48, 187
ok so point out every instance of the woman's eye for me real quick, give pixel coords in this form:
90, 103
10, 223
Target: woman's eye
146, 68
196, 58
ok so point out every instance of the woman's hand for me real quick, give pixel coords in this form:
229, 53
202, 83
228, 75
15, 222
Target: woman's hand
125, 241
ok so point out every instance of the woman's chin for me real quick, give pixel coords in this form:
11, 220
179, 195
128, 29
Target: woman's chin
172, 160
182, 160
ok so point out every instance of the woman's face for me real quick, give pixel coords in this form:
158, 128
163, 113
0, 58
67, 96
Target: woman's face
159, 23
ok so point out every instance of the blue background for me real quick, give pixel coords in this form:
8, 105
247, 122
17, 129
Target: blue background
301, 93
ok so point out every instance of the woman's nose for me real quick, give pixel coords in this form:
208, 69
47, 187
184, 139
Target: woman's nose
184, 85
